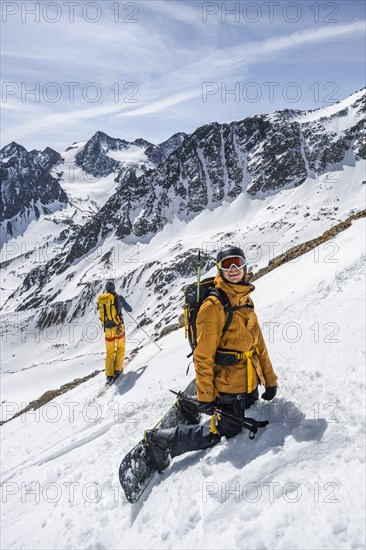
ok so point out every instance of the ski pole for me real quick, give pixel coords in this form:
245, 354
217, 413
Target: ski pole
138, 324
247, 422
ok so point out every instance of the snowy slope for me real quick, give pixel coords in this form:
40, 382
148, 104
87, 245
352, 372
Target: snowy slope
297, 485
324, 113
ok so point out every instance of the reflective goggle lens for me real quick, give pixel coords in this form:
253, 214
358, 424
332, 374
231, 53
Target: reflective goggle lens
237, 261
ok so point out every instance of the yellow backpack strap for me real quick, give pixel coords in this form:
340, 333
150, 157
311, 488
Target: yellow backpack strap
185, 313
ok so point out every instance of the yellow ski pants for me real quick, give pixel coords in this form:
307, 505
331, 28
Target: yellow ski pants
115, 343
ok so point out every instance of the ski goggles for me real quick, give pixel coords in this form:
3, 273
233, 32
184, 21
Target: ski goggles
237, 261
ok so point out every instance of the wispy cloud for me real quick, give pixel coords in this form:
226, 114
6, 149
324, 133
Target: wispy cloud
219, 64
181, 85
169, 54
178, 11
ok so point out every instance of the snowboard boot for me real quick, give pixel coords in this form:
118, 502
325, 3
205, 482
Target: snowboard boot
189, 411
159, 442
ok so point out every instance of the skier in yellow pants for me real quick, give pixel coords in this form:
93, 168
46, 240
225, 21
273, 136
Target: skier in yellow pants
110, 306
115, 343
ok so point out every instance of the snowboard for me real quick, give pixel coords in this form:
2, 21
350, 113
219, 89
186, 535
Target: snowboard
136, 469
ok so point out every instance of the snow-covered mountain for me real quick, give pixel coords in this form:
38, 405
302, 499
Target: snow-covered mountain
82, 178
102, 155
27, 188
258, 155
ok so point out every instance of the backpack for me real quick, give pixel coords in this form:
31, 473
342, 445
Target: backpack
194, 298
109, 312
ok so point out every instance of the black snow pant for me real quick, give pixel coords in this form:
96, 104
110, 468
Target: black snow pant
195, 438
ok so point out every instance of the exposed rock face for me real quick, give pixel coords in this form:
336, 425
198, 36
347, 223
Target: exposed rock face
93, 157
27, 187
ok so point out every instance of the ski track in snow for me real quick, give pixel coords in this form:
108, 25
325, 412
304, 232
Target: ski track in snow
299, 484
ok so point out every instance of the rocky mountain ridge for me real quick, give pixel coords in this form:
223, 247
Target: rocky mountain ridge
95, 157
27, 187
32, 182
259, 155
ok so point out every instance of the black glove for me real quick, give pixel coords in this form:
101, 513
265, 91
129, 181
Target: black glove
206, 407
270, 393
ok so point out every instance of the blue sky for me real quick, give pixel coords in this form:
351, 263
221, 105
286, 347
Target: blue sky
155, 67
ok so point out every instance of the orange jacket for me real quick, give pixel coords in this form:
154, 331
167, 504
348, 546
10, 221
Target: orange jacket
243, 335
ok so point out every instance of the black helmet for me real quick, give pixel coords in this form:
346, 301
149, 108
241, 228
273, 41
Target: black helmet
110, 286
228, 252
231, 251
